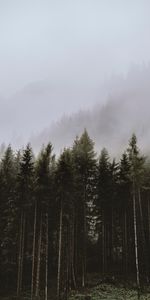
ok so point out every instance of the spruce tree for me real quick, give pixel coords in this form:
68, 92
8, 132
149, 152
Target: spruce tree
124, 202
85, 172
136, 175
43, 198
25, 191
8, 216
103, 204
65, 199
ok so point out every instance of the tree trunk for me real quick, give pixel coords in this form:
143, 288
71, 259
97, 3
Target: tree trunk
112, 241
39, 260
33, 252
73, 250
125, 245
59, 252
84, 240
76, 249
135, 239
149, 218
20, 253
67, 259
46, 259
69, 254
103, 242
143, 236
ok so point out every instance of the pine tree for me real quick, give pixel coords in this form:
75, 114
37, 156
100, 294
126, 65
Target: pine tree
42, 203
65, 198
85, 170
8, 236
136, 173
25, 182
124, 205
103, 203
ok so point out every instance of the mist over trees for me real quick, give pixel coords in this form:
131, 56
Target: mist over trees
62, 219
125, 109
110, 112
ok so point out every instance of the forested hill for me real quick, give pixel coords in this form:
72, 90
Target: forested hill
125, 111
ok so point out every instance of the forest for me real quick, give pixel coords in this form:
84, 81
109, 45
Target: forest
73, 222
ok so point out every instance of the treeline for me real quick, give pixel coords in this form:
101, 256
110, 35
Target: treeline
63, 218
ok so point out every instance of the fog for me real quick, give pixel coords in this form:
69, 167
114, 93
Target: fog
58, 58
110, 125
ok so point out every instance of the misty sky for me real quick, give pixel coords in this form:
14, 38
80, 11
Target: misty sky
56, 54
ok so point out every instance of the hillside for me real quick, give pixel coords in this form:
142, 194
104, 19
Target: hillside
111, 125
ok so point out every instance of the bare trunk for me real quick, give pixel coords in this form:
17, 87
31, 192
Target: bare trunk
83, 273
149, 218
105, 246
84, 240
125, 244
135, 239
59, 252
67, 259
103, 243
46, 259
39, 259
112, 240
76, 249
143, 235
33, 252
72, 258
69, 254
20, 253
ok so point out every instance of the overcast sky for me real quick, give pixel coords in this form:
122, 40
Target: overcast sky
50, 47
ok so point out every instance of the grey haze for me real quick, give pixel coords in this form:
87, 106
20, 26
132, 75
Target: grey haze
60, 57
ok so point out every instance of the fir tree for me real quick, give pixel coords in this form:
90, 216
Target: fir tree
43, 196
85, 172
25, 189
8, 213
136, 174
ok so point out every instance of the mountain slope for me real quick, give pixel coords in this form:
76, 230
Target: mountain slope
126, 111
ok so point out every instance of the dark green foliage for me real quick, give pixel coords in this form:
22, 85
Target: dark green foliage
25, 178
61, 220
64, 179
85, 173
42, 170
8, 216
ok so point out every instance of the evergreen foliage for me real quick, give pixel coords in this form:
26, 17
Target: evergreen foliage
63, 219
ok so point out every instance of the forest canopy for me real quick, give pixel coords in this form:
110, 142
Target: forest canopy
78, 214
